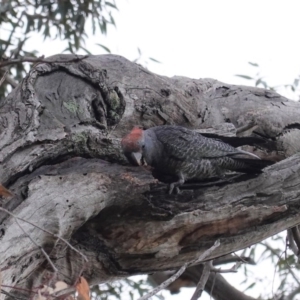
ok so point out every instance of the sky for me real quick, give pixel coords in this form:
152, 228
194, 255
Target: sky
206, 39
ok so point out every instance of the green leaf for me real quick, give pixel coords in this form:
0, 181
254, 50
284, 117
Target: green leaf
264, 84
93, 25
250, 286
76, 41
46, 31
86, 50
258, 81
40, 24
253, 64
112, 20
153, 59
70, 48
30, 24
104, 47
244, 76
111, 5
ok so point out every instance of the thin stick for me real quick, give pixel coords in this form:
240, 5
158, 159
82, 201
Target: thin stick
180, 271
3, 77
40, 247
212, 287
296, 237
231, 270
47, 231
202, 282
291, 242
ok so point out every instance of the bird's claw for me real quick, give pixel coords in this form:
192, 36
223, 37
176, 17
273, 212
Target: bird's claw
172, 187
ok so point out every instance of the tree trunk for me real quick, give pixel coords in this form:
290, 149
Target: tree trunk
60, 155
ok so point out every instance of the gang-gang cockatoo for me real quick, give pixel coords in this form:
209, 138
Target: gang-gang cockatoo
186, 154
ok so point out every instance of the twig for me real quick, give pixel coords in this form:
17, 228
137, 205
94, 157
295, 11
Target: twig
231, 270
63, 292
40, 247
11, 296
39, 59
207, 269
291, 242
296, 237
202, 282
212, 286
18, 289
245, 259
233, 258
13, 31
292, 295
3, 77
11, 81
180, 271
47, 231
266, 245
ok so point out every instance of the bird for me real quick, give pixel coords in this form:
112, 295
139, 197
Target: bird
186, 155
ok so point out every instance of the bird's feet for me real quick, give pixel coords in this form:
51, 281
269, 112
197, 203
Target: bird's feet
176, 185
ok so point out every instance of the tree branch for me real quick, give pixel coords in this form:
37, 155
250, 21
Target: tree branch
8, 79
202, 282
296, 237
180, 271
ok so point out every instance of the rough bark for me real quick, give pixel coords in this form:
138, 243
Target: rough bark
60, 155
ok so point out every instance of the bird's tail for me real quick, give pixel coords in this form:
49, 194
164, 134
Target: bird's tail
251, 166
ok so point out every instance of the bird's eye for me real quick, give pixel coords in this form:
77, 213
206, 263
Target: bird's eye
143, 146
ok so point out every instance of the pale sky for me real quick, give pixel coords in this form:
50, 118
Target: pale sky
206, 39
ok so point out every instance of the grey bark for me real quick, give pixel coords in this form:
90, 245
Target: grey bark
60, 155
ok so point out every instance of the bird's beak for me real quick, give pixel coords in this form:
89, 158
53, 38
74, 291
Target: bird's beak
136, 158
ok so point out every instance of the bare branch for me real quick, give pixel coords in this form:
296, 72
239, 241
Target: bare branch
11, 296
216, 285
296, 237
202, 282
233, 258
220, 289
3, 77
12, 32
180, 271
231, 270
8, 79
293, 294
279, 257
40, 247
291, 242
11, 81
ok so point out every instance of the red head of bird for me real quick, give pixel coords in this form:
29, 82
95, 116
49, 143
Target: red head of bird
133, 144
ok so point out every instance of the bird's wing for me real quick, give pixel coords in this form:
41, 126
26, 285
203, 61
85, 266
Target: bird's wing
183, 144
